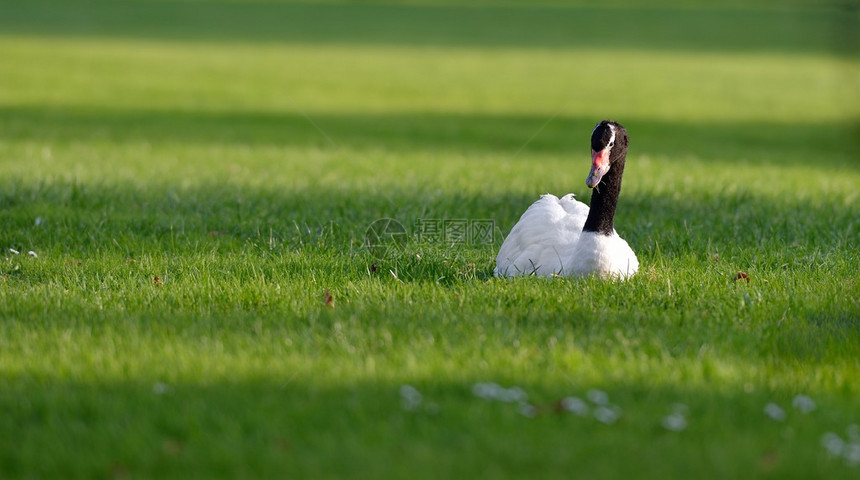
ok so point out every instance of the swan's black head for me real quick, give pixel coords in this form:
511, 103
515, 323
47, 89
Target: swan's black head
608, 146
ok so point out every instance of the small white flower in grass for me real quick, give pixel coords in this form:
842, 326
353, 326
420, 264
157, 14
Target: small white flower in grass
487, 391
774, 411
410, 397
607, 414
513, 395
675, 422
836, 447
575, 405
803, 403
16, 252
494, 391
479, 389
851, 454
39, 221
598, 397
528, 410
159, 388
833, 444
33, 254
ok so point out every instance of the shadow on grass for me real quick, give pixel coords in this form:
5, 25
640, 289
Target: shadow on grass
738, 28
79, 216
274, 427
779, 143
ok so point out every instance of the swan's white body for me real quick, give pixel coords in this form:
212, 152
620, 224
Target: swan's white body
548, 240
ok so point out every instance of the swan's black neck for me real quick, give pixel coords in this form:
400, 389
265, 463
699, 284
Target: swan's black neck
604, 200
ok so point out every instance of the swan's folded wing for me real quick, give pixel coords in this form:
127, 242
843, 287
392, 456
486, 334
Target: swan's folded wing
543, 238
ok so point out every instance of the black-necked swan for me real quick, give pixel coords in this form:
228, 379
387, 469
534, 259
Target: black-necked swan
562, 236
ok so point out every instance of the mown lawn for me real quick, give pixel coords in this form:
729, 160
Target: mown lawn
195, 181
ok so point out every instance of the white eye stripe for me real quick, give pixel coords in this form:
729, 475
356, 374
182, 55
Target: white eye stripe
611, 129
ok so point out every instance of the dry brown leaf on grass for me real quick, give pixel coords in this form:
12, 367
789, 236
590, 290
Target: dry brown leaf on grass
742, 276
171, 446
119, 470
768, 461
157, 281
558, 406
329, 300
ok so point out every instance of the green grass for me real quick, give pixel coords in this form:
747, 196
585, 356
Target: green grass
237, 151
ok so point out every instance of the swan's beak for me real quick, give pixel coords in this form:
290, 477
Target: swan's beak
599, 167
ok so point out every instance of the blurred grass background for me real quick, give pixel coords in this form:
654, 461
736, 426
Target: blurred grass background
236, 151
